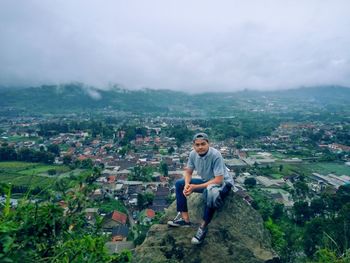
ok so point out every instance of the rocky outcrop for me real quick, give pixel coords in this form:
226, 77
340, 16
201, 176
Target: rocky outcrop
236, 234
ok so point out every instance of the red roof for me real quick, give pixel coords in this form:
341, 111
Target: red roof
119, 217
150, 213
111, 178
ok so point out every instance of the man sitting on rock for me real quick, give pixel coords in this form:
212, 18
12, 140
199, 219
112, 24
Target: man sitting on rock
215, 183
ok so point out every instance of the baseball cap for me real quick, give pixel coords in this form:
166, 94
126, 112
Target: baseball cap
201, 135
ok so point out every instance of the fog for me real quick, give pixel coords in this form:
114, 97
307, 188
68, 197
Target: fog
180, 45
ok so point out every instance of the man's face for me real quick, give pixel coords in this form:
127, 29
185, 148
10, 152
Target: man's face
201, 146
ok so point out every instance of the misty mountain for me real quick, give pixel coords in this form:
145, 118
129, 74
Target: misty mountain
77, 98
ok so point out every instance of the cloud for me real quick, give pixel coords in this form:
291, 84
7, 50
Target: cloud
183, 45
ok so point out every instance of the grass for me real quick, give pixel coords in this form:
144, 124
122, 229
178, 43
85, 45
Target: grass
29, 174
30, 168
26, 181
16, 165
41, 169
327, 168
111, 205
276, 176
278, 155
22, 139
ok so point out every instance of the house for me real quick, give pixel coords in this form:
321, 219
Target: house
339, 147
123, 174
98, 194
90, 213
175, 175
135, 189
235, 163
114, 219
148, 215
111, 179
267, 182
160, 199
120, 233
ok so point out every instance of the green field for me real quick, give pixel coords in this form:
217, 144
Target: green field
278, 155
42, 170
276, 176
327, 168
29, 174
21, 139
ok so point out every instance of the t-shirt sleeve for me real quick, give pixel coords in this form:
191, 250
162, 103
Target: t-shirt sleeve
219, 166
190, 162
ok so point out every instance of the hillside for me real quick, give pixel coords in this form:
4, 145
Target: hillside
77, 98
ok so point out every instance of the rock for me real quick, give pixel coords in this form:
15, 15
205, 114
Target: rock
236, 234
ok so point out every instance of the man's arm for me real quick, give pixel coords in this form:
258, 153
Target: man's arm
188, 176
191, 187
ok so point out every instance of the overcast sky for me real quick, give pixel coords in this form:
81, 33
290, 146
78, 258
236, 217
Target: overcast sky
192, 45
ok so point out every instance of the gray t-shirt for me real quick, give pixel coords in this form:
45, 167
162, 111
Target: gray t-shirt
209, 166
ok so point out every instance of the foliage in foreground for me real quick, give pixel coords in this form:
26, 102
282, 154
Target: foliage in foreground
45, 232
315, 233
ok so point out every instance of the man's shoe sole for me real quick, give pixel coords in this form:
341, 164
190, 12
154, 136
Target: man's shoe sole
195, 241
177, 225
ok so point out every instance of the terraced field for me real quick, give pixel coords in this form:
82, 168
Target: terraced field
30, 174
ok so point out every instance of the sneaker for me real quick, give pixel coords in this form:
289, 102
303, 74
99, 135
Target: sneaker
199, 236
179, 221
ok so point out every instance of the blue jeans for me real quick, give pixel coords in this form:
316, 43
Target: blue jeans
181, 200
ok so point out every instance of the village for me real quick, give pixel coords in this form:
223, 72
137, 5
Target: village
140, 171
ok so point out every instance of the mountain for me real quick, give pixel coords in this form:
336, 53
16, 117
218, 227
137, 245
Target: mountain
236, 234
77, 98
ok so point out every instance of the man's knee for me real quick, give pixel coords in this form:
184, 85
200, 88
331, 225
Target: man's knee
180, 184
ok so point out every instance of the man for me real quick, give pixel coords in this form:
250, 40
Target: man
215, 183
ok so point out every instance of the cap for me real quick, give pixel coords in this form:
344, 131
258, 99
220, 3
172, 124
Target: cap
201, 135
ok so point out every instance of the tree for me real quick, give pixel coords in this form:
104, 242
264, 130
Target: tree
277, 234
96, 173
87, 163
59, 236
301, 189
123, 150
171, 150
301, 212
143, 200
141, 173
250, 182
277, 211
317, 207
54, 148
313, 236
280, 168
52, 171
67, 159
149, 197
7, 153
140, 201
343, 193
164, 168
155, 148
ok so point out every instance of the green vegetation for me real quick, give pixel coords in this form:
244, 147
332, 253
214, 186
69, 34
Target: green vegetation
58, 236
317, 229
326, 168
24, 176
75, 98
314, 230
22, 139
110, 205
43, 169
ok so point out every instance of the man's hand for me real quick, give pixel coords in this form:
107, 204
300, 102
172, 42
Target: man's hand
188, 189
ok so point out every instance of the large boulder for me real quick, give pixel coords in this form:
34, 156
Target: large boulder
236, 234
